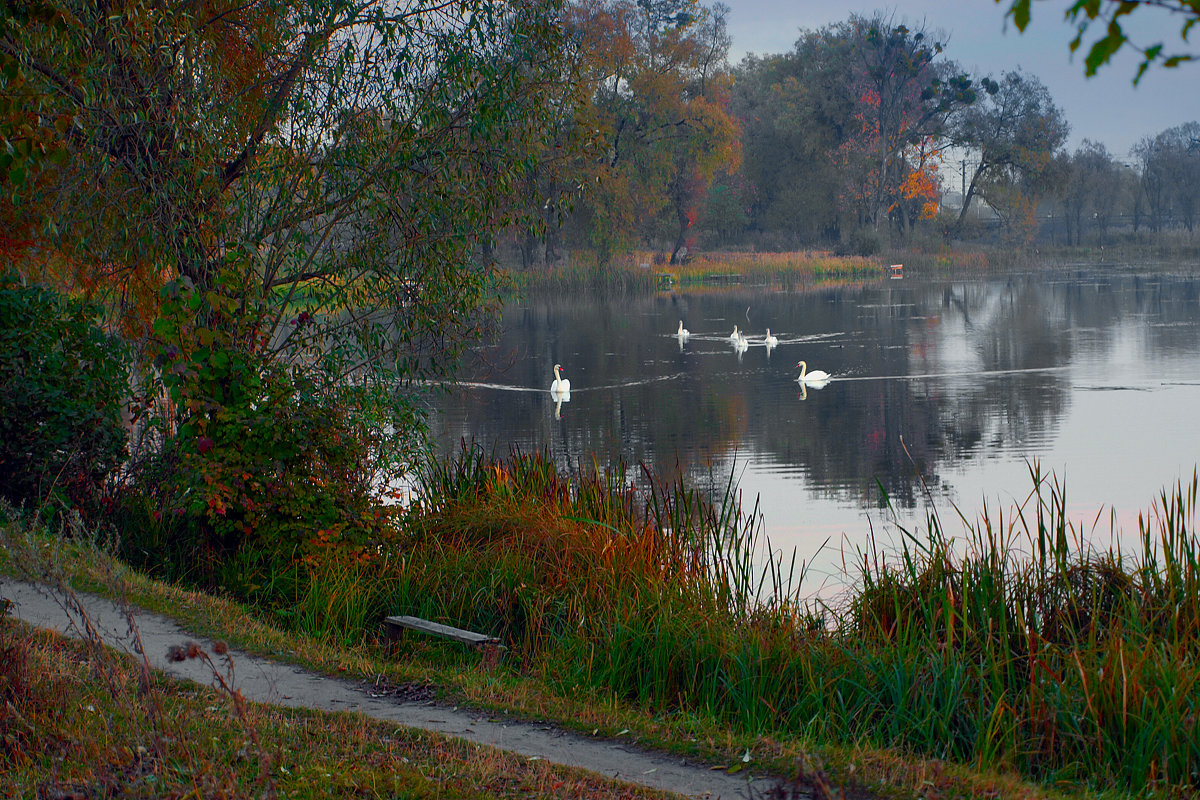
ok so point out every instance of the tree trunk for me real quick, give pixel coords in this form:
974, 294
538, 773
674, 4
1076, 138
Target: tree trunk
680, 239
962, 212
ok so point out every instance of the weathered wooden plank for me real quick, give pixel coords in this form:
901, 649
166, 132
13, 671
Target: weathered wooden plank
447, 631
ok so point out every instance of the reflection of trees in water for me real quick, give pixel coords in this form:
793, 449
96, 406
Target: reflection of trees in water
843, 437
1008, 327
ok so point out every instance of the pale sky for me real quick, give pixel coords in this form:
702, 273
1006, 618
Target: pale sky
1106, 107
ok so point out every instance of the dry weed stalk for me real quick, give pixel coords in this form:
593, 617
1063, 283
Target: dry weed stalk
41, 561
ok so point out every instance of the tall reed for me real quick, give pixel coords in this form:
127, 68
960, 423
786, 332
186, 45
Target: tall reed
1015, 644
790, 270
1024, 645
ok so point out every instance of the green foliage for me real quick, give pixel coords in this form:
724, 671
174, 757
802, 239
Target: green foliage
1012, 647
863, 242
1109, 13
24, 147
263, 460
63, 382
657, 100
1170, 176
326, 169
846, 130
1016, 130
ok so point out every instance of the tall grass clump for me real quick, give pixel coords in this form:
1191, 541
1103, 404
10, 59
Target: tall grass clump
592, 579
1021, 645
1014, 645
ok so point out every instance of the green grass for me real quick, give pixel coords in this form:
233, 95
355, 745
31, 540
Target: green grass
1011, 648
1013, 645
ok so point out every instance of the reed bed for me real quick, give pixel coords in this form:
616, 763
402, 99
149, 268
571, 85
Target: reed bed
940, 262
789, 270
620, 277
1021, 644
1013, 645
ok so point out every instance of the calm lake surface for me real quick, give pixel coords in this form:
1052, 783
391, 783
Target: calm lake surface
1092, 372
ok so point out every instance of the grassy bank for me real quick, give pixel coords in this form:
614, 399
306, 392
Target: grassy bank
800, 269
1014, 645
1011, 648
124, 733
436, 668
645, 273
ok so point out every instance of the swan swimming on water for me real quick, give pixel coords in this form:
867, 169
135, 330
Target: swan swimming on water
741, 343
561, 385
733, 337
771, 340
816, 376
683, 332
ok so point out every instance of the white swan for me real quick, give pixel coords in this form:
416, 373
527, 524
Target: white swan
816, 376
741, 343
561, 385
771, 340
683, 332
733, 337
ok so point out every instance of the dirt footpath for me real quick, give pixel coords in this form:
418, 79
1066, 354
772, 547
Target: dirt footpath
265, 681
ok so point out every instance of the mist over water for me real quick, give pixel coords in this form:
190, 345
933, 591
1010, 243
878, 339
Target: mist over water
942, 390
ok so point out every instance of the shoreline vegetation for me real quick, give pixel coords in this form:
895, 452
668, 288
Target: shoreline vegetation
1013, 649
799, 269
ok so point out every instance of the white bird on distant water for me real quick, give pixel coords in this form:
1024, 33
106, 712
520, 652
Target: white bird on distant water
816, 376
771, 340
561, 385
683, 332
733, 337
741, 343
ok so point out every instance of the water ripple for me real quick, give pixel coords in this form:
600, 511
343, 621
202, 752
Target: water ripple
574, 389
961, 374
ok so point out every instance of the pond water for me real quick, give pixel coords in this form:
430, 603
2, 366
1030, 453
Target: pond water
944, 393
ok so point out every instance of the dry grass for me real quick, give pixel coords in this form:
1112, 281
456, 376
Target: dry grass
205, 743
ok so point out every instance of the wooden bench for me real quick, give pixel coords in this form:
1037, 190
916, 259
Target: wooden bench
490, 646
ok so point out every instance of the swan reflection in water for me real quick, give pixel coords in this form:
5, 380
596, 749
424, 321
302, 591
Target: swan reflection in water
806, 385
559, 399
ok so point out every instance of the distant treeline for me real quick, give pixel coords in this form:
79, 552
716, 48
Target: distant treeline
845, 143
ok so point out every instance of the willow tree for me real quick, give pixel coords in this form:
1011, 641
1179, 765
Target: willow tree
283, 198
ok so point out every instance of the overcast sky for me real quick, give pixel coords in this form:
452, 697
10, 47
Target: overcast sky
1106, 107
